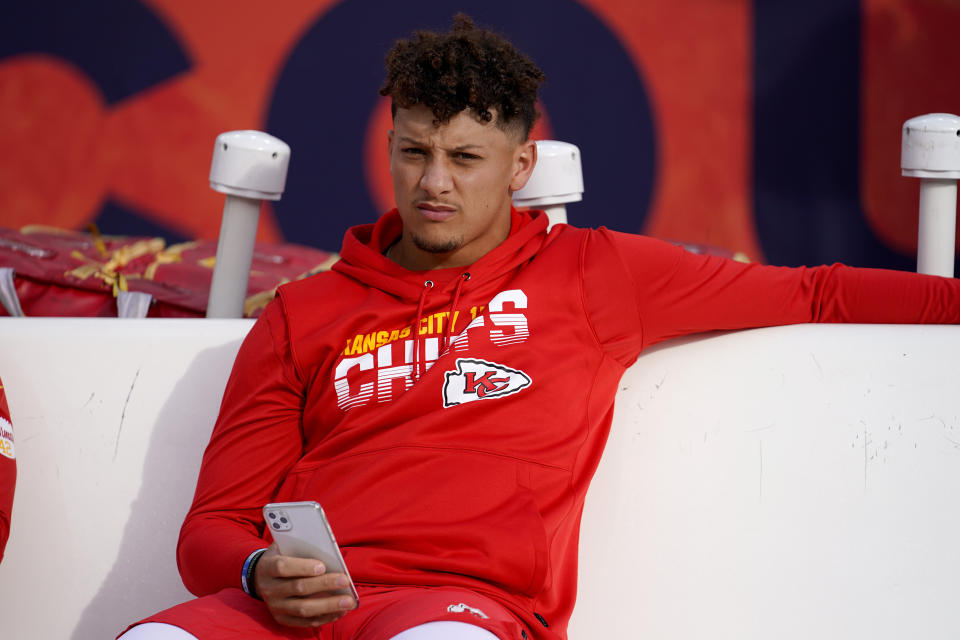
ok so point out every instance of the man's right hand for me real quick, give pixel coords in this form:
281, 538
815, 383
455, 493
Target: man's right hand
298, 591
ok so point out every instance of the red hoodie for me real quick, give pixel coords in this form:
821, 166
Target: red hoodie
460, 454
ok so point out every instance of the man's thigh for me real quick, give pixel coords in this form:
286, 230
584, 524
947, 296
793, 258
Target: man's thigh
229, 615
383, 613
445, 630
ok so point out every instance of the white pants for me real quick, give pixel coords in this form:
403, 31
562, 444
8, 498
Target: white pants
444, 630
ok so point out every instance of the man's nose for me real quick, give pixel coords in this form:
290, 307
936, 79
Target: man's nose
436, 179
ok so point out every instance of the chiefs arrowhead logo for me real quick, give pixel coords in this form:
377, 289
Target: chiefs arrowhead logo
480, 380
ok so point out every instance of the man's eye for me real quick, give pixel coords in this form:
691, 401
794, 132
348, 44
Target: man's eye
412, 151
465, 156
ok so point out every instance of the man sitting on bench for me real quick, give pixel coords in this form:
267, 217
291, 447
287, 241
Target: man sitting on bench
446, 390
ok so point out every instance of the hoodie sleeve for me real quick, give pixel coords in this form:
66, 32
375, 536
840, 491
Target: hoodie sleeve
256, 440
678, 293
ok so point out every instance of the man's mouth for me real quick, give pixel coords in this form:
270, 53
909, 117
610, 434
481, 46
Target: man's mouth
436, 211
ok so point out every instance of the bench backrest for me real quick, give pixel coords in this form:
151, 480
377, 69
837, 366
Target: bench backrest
790, 482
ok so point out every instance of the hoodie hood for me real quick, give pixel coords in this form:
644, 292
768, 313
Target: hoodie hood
364, 245
362, 259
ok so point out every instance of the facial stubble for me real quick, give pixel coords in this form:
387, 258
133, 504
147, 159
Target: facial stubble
440, 246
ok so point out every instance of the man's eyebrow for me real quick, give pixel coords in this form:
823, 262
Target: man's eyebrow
462, 147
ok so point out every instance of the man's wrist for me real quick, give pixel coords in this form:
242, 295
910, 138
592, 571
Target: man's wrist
248, 572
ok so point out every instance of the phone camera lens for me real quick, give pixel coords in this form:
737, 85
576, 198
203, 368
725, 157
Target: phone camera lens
276, 525
283, 520
272, 516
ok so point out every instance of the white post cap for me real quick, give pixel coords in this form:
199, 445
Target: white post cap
557, 177
252, 164
931, 146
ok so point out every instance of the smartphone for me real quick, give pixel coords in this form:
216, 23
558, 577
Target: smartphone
301, 530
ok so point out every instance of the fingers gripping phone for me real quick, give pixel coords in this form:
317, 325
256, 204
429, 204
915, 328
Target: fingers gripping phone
301, 530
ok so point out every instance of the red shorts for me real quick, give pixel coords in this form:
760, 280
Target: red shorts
383, 613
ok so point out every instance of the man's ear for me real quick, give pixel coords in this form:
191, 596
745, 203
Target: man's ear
524, 160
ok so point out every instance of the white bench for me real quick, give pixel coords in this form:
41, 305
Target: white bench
792, 482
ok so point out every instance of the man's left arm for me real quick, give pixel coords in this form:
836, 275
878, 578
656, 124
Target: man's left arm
680, 293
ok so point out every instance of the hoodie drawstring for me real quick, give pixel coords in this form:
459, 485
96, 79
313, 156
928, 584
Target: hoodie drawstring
419, 363
417, 341
453, 309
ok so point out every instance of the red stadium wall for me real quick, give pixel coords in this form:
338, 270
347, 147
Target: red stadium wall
768, 129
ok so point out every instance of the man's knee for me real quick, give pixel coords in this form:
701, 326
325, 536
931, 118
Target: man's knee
157, 631
445, 630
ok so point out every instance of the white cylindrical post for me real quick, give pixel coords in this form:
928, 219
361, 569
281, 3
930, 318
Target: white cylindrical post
556, 214
231, 271
250, 167
930, 150
938, 227
556, 180
8, 293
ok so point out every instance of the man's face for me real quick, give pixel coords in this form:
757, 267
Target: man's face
453, 185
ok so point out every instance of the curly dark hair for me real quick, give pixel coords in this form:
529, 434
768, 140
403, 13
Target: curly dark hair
466, 68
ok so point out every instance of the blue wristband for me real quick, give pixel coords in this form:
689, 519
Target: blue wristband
246, 575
